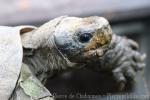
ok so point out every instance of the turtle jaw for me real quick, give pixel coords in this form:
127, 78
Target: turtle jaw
98, 52
87, 56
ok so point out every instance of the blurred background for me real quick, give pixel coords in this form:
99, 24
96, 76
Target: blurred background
127, 17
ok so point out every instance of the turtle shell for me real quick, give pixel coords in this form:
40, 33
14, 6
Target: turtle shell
11, 55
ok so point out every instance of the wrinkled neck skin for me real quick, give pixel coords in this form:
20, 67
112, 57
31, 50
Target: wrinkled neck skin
41, 54
45, 62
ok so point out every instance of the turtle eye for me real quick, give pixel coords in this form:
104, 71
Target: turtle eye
85, 37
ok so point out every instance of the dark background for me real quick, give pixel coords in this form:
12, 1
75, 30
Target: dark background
127, 17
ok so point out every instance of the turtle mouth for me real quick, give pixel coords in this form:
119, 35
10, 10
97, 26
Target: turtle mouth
97, 52
91, 53
86, 56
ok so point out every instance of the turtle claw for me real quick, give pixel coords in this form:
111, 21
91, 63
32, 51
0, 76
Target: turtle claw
128, 62
134, 45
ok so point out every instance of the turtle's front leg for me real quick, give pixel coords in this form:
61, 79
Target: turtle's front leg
123, 60
29, 87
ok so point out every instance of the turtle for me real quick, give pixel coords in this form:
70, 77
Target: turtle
31, 55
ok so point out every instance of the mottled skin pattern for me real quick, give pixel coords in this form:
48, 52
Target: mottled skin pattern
70, 42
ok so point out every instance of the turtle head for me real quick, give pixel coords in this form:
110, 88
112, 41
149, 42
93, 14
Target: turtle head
80, 38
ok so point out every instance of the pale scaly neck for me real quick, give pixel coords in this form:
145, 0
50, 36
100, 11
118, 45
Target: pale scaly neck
45, 61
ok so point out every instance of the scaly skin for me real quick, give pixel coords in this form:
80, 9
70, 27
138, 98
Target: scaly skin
67, 42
